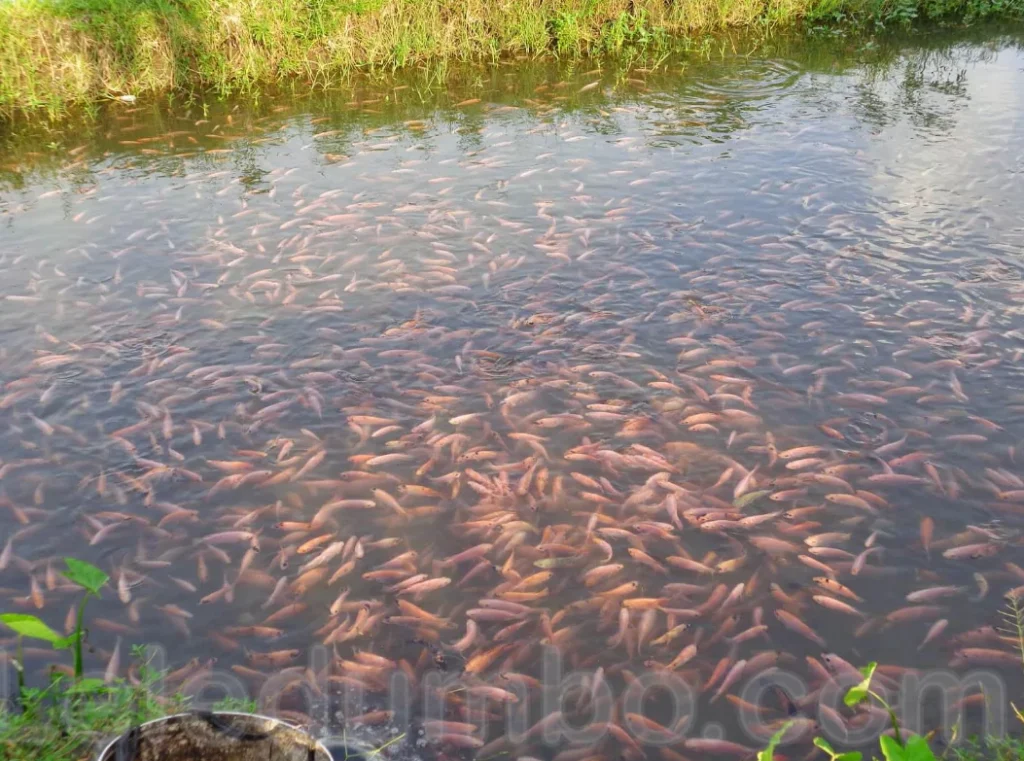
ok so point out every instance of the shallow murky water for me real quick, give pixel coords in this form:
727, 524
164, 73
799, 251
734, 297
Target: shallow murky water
560, 357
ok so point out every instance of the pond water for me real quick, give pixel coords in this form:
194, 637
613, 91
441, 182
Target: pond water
690, 377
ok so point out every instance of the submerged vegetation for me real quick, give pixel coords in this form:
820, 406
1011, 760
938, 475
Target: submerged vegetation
57, 52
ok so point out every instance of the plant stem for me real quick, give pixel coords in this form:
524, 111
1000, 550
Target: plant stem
78, 636
892, 715
392, 741
19, 667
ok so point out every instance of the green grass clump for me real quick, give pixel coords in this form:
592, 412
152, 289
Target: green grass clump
993, 749
54, 53
69, 721
66, 720
999, 748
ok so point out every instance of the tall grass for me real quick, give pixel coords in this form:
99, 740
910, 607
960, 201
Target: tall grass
58, 52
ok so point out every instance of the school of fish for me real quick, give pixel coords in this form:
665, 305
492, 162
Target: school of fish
446, 411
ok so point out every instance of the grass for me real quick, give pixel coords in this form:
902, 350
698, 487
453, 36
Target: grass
1013, 623
69, 722
1008, 748
54, 53
999, 748
63, 722
1013, 629
1005, 749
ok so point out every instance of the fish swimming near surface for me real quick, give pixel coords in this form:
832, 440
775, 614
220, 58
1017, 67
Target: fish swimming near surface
394, 413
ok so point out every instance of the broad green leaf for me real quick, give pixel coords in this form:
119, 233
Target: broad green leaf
768, 754
85, 575
853, 755
30, 626
65, 642
891, 749
87, 686
859, 692
917, 749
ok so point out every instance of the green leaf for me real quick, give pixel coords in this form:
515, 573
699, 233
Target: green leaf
891, 749
768, 754
85, 575
859, 692
65, 642
917, 749
822, 743
30, 626
87, 686
852, 755
1017, 712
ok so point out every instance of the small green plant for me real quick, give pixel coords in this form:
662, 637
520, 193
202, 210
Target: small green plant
1013, 626
1013, 616
91, 579
87, 576
768, 754
65, 720
862, 691
915, 748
